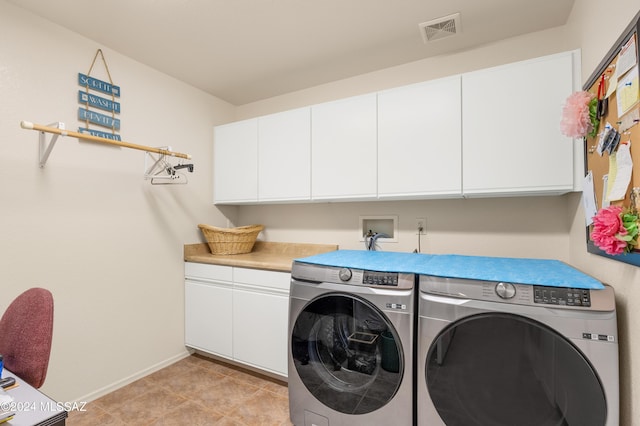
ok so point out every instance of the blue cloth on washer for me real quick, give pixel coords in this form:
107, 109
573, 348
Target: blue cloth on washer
382, 261
545, 272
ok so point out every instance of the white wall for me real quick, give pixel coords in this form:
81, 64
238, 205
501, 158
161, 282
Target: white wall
518, 227
586, 18
540, 227
88, 226
501, 52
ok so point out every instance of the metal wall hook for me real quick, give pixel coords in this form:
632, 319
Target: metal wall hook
161, 172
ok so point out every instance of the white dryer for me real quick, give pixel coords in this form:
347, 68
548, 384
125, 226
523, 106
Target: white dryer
496, 353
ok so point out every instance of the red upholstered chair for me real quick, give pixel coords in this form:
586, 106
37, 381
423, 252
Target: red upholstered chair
26, 330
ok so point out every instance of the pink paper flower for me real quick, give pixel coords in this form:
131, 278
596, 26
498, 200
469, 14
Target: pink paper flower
576, 121
607, 227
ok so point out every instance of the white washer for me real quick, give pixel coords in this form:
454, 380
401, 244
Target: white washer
351, 347
495, 353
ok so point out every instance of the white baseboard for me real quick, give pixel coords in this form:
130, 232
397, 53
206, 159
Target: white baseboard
132, 378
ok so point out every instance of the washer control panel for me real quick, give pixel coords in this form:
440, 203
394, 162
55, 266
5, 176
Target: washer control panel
380, 278
352, 276
561, 296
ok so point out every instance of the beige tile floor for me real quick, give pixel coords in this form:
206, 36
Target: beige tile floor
195, 391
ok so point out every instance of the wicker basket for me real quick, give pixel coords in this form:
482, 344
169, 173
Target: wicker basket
231, 240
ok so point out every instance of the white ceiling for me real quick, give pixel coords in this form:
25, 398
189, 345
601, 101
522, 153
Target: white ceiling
247, 50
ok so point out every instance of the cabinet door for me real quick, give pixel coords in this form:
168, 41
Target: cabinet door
419, 140
343, 149
512, 142
260, 321
208, 316
284, 156
235, 162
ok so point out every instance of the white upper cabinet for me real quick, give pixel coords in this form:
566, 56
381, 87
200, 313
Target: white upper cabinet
235, 162
419, 140
343, 149
284, 156
512, 144
493, 132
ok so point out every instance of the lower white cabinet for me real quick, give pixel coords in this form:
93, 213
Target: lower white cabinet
261, 341
238, 313
208, 292
207, 317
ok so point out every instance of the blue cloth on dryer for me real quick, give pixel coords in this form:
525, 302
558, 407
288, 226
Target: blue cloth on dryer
544, 272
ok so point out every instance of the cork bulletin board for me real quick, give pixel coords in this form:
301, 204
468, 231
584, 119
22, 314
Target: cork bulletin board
612, 151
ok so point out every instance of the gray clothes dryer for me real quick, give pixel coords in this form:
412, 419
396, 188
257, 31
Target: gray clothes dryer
351, 346
495, 353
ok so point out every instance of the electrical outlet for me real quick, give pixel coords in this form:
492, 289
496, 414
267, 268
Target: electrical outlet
421, 225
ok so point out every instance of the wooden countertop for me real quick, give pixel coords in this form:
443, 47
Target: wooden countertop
267, 255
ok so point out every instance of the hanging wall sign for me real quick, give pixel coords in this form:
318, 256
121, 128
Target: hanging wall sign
99, 119
91, 102
98, 85
98, 102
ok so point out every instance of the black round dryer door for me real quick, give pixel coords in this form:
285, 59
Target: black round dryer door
502, 369
347, 353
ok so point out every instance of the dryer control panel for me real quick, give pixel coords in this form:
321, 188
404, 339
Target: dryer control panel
520, 294
561, 296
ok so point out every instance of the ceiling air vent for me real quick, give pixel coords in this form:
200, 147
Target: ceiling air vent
440, 28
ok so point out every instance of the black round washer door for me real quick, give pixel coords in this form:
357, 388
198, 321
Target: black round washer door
502, 369
347, 353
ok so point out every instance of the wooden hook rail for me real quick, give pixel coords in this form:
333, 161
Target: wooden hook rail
63, 132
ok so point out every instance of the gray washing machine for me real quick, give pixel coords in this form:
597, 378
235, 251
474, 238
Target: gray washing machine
495, 353
351, 346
